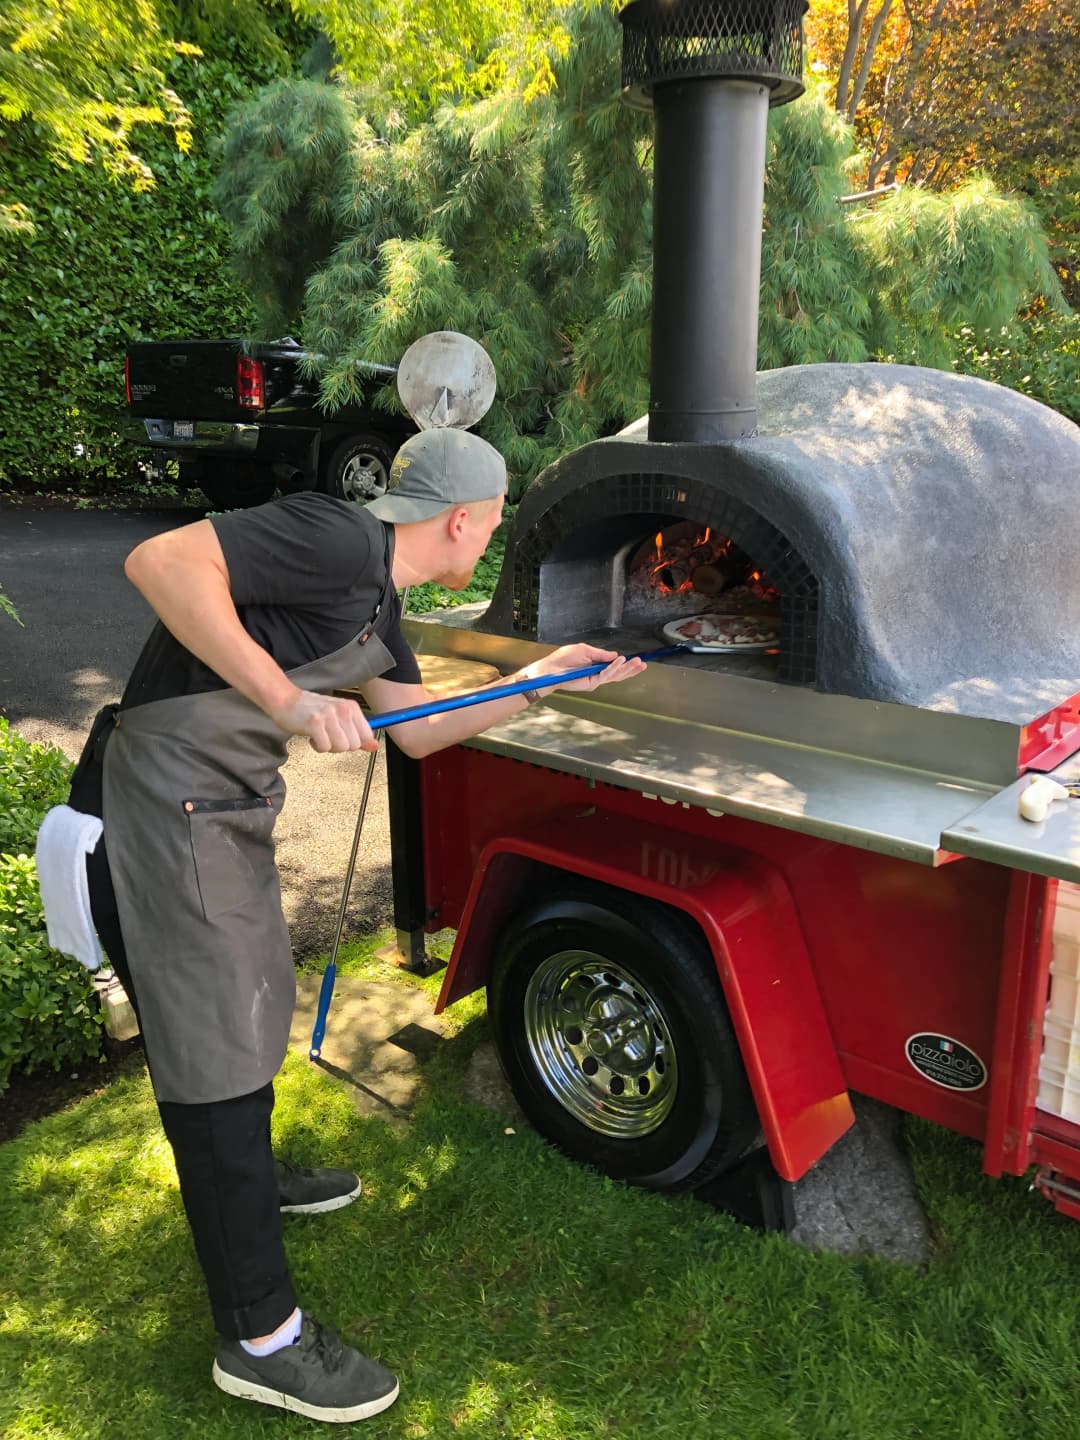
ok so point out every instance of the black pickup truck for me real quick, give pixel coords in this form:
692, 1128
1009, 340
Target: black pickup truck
243, 421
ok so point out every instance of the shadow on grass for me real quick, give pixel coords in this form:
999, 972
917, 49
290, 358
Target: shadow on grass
517, 1294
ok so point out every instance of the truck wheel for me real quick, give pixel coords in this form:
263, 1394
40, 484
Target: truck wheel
611, 1026
359, 469
236, 484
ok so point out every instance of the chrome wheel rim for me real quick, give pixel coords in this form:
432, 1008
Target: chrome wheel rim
363, 477
601, 1044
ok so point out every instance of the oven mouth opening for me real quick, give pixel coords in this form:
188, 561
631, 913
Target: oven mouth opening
687, 570
586, 568
673, 582
658, 581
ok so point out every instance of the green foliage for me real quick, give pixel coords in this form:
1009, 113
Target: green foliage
896, 280
522, 221
106, 264
525, 221
430, 596
1037, 354
7, 608
816, 277
32, 779
279, 182
48, 1014
53, 61
1055, 191
482, 175
409, 55
970, 257
91, 73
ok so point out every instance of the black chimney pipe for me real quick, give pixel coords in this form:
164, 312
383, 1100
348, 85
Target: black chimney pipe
710, 69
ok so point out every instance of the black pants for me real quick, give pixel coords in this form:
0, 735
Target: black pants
226, 1170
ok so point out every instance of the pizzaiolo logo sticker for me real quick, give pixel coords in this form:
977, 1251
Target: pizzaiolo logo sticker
945, 1062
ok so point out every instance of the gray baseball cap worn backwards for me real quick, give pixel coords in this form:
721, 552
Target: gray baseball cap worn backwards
437, 469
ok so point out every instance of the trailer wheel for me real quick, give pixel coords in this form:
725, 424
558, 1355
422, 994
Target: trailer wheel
236, 484
611, 1026
359, 469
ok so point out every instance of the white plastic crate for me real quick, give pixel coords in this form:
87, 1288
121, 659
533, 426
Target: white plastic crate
1059, 1092
1064, 1003
1059, 1066
1067, 912
1061, 1045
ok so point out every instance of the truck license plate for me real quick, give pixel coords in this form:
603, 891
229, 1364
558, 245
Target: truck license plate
183, 429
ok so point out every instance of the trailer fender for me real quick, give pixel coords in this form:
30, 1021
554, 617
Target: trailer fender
743, 907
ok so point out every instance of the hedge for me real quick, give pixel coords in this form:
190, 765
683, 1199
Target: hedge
1039, 355
106, 265
48, 1012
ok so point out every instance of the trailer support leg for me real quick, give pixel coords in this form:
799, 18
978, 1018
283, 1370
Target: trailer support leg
753, 1193
407, 862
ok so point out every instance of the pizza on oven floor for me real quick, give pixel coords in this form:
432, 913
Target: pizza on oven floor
724, 631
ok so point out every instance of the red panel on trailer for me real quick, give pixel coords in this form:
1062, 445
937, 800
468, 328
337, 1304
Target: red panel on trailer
1055, 1147
898, 950
1018, 1039
1052, 738
744, 909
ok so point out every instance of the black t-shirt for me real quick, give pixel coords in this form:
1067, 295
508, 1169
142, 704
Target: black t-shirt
306, 573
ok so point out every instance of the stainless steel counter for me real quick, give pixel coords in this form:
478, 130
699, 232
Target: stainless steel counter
913, 783
996, 831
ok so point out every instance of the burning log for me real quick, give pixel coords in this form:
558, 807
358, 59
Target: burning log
696, 570
708, 580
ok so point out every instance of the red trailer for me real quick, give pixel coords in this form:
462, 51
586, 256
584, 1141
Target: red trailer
693, 936
712, 901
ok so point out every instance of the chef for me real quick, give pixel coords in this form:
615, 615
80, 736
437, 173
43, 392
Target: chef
263, 615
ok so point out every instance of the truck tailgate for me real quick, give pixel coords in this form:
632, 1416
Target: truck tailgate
184, 379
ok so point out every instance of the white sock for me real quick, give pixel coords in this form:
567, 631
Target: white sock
286, 1334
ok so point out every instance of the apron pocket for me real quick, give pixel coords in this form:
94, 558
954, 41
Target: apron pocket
232, 848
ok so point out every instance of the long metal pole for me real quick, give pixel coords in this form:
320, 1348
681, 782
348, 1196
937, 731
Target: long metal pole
326, 990
421, 712
329, 979
500, 692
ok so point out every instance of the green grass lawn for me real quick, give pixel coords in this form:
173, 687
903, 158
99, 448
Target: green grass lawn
521, 1297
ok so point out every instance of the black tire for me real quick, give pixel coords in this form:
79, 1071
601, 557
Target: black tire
668, 1105
358, 468
236, 484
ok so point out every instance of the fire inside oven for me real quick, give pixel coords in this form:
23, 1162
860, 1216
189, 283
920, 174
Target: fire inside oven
691, 584
689, 570
739, 592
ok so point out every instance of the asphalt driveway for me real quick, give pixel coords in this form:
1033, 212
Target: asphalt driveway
84, 627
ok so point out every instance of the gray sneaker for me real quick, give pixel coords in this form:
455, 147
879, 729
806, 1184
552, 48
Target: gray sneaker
318, 1376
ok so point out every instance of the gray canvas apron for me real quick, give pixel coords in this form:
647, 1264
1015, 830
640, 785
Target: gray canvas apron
192, 790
